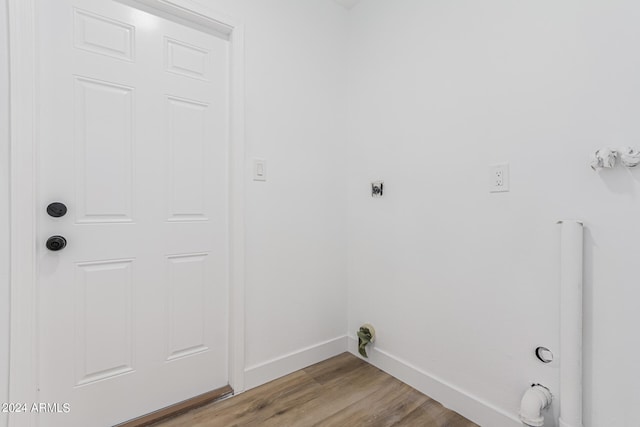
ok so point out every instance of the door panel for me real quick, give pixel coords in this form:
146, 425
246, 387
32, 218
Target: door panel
187, 320
104, 146
187, 142
102, 35
133, 138
104, 322
188, 60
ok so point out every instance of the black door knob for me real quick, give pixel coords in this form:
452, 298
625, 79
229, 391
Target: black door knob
56, 243
56, 209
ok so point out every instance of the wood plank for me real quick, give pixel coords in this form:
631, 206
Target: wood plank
335, 367
179, 408
336, 395
342, 391
257, 405
432, 413
384, 407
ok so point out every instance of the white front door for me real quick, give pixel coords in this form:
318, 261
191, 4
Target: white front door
133, 139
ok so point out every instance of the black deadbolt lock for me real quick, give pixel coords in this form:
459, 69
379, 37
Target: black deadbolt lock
56, 209
56, 243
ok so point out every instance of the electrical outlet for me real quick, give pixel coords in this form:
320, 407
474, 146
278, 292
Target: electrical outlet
499, 178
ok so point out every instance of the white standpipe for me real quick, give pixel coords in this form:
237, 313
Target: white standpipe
571, 248
535, 400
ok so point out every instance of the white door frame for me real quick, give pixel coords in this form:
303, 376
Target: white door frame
23, 358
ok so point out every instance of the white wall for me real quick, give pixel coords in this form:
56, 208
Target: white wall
463, 284
296, 234
4, 211
450, 275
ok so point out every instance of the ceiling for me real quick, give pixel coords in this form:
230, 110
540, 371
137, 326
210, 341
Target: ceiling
347, 3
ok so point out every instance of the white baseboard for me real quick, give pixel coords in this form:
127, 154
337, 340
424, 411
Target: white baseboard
264, 372
467, 405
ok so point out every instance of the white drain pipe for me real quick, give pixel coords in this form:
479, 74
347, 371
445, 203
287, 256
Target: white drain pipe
535, 400
571, 249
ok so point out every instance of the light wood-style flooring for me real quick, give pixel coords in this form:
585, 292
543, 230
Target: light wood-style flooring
343, 391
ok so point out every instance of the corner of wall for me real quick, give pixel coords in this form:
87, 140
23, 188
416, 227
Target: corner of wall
4, 213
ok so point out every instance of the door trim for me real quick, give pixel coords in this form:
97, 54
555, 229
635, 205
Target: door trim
23, 354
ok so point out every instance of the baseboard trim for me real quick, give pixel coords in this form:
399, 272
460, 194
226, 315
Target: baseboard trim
268, 371
460, 401
179, 408
467, 405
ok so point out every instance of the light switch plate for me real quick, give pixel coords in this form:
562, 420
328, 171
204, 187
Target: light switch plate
259, 169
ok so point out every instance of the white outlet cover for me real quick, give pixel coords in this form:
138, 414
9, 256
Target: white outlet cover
499, 178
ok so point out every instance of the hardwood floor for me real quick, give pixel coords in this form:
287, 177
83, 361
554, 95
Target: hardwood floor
343, 391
